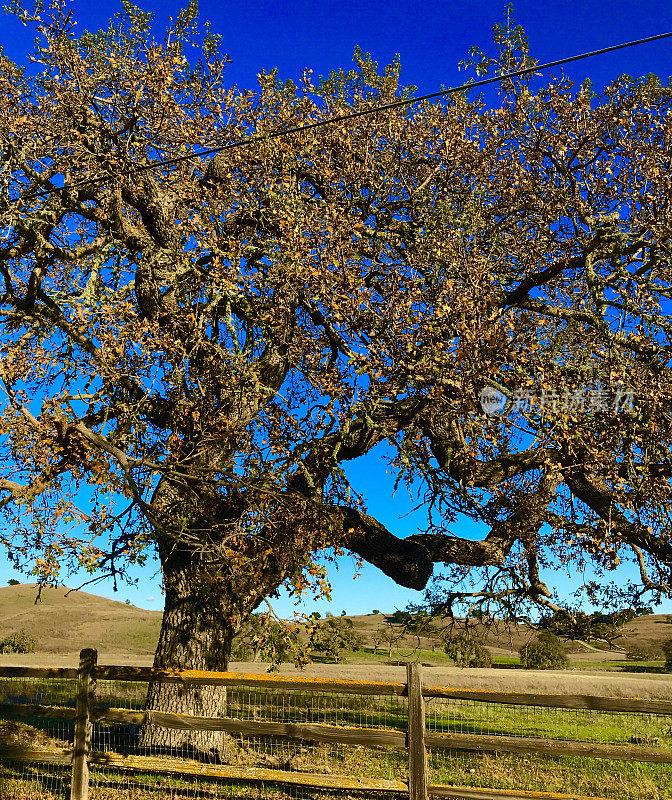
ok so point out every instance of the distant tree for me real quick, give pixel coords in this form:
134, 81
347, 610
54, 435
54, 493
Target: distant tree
416, 621
607, 627
315, 615
377, 638
401, 617
13, 582
568, 624
603, 632
544, 652
390, 635
467, 650
375, 612
666, 648
598, 626
344, 613
334, 637
640, 652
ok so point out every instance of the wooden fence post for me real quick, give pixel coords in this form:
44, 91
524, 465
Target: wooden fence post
417, 754
86, 687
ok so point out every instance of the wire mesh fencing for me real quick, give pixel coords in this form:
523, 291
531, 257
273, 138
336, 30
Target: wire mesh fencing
479, 729
450, 715
39, 735
295, 739
239, 753
262, 756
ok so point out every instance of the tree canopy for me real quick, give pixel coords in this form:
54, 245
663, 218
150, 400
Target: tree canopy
214, 339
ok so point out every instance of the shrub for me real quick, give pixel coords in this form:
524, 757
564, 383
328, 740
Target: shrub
468, 651
18, 642
544, 652
666, 647
640, 653
401, 617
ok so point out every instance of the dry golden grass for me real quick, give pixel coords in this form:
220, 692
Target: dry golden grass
65, 623
502, 639
19, 734
551, 681
573, 681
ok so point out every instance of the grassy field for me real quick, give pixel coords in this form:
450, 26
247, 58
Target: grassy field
124, 634
621, 780
64, 622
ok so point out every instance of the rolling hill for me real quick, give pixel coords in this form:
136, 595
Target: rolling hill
645, 632
65, 623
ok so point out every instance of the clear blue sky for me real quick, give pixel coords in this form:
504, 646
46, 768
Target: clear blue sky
431, 37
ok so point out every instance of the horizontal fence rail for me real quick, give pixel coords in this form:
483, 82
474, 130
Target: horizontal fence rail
366, 737
340, 686
198, 678
570, 701
65, 673
415, 738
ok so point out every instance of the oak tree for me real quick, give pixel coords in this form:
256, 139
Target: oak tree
212, 340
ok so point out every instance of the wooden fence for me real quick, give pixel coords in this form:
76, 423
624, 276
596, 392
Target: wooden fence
415, 740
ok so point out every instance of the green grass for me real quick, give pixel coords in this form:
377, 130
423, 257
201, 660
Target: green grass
566, 724
621, 780
53, 692
506, 661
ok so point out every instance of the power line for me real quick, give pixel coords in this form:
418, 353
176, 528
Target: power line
356, 114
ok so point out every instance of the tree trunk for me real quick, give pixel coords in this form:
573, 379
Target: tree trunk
207, 599
197, 629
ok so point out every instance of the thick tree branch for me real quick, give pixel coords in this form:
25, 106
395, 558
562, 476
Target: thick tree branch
410, 561
407, 562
